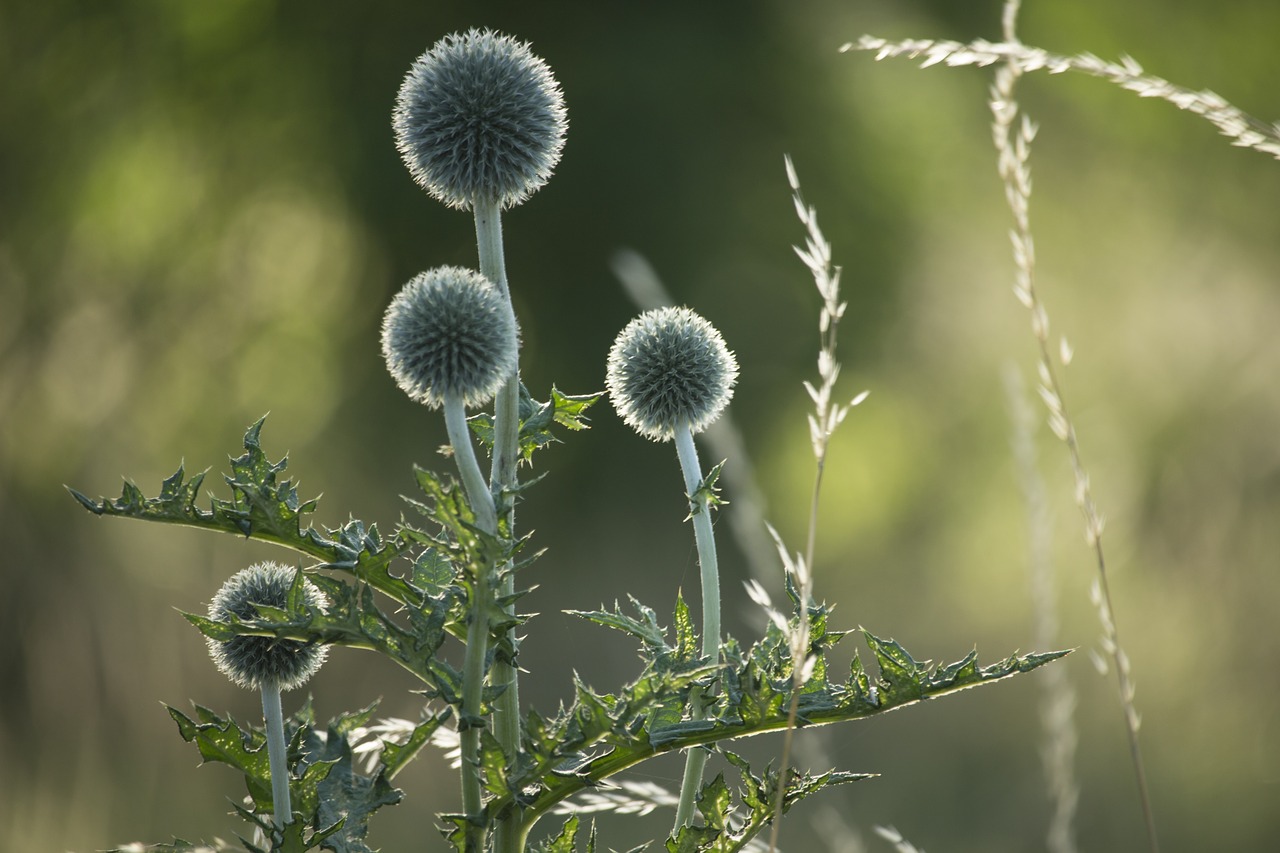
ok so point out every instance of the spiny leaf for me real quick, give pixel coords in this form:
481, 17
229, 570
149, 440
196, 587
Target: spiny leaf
333, 799
223, 741
715, 803
645, 628
900, 675
708, 491
566, 841
636, 724
265, 507
536, 420
396, 755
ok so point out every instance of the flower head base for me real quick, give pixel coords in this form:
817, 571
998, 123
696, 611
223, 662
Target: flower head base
255, 662
479, 118
670, 367
449, 332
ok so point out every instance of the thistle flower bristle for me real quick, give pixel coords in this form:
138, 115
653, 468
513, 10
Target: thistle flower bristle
255, 662
449, 332
480, 118
667, 367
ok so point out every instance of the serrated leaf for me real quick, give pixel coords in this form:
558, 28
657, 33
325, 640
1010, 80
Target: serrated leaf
566, 840
396, 755
715, 803
537, 419
223, 741
900, 675
708, 492
692, 839
645, 628
757, 693
266, 507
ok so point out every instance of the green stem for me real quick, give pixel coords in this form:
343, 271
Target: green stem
502, 481
473, 669
464, 454
277, 754
471, 722
696, 759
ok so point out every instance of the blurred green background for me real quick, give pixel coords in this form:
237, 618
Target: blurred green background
202, 217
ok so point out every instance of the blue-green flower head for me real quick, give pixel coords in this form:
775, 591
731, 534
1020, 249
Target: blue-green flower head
670, 367
480, 118
255, 662
449, 332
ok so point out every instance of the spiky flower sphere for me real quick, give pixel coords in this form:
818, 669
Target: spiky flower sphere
480, 118
670, 366
449, 332
253, 662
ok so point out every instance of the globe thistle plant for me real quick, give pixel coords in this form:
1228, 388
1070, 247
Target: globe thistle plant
447, 333
479, 118
480, 122
670, 367
449, 339
670, 375
256, 662
266, 664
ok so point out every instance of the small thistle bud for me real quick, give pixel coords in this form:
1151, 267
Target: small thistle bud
480, 118
449, 332
667, 367
255, 662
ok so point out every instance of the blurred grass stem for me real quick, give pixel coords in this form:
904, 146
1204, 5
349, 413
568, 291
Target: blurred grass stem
1014, 150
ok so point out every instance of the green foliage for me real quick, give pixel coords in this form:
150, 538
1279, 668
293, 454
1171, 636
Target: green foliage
708, 490
729, 827
264, 507
594, 737
600, 735
537, 419
333, 801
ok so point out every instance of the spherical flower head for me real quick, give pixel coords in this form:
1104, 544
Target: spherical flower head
670, 367
449, 332
479, 118
255, 662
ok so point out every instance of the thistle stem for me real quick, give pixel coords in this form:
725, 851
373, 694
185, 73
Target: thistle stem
699, 508
481, 500
277, 754
464, 454
502, 481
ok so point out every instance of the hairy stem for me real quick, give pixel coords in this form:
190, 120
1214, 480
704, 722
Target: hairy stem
700, 509
502, 481
470, 722
277, 754
473, 669
464, 455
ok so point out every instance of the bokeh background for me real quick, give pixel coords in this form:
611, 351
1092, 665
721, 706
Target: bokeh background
202, 217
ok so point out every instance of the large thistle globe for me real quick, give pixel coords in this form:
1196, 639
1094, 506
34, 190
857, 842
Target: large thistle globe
449, 333
255, 662
670, 367
479, 118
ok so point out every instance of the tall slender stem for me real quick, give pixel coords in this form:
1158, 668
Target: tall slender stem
470, 725
277, 754
473, 669
696, 759
502, 481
